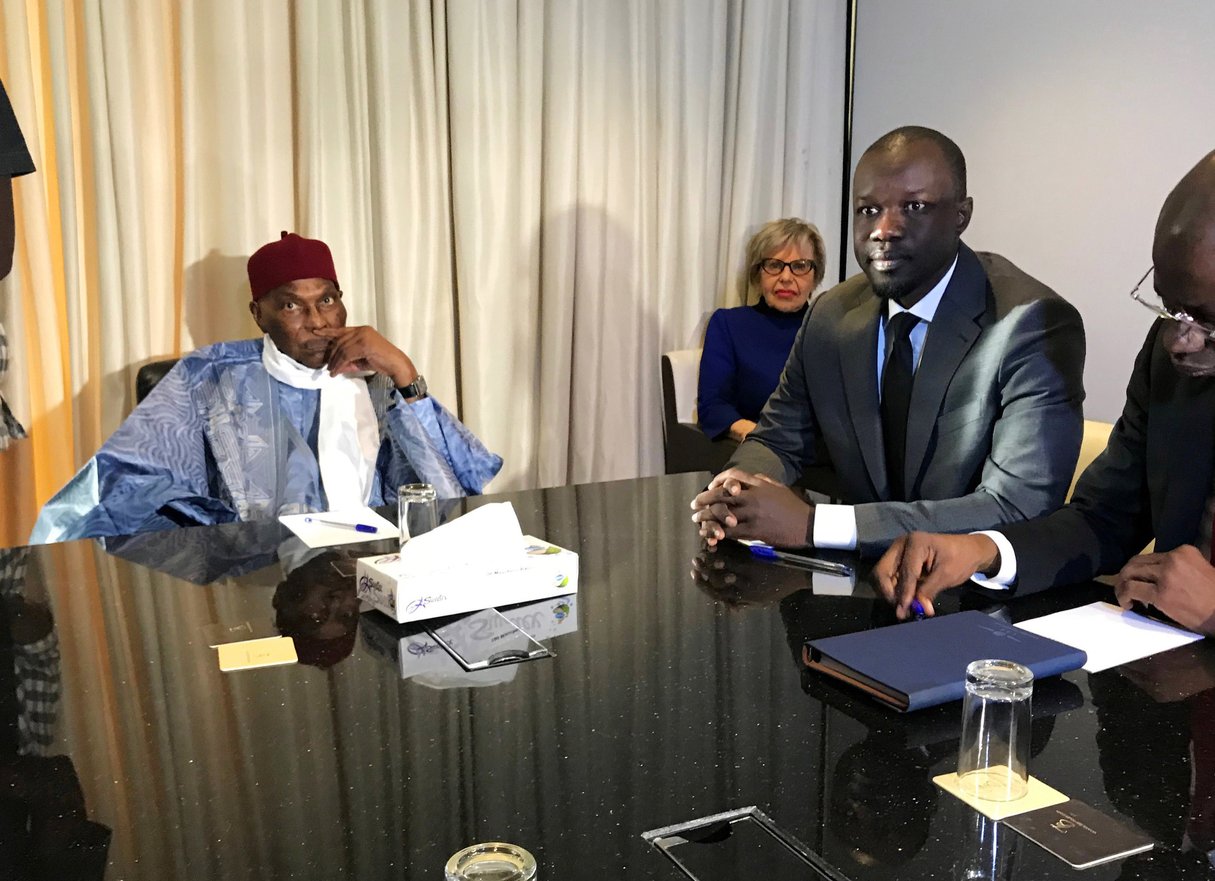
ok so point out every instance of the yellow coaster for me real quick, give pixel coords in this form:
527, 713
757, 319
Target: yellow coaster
1038, 795
257, 653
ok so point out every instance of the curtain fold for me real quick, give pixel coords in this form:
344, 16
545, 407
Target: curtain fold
533, 198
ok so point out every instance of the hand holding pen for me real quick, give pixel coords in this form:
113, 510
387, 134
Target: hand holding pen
918, 566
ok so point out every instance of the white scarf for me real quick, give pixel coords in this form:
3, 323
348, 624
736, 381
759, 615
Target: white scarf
348, 438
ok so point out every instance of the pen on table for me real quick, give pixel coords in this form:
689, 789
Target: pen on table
769, 553
357, 527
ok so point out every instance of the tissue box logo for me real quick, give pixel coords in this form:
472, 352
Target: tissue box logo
422, 602
561, 611
374, 592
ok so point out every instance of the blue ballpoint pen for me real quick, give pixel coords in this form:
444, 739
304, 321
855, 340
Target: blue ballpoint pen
770, 553
917, 610
357, 527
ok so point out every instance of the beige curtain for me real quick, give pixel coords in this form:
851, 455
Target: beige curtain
533, 199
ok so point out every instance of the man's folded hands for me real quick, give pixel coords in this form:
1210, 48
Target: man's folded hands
741, 505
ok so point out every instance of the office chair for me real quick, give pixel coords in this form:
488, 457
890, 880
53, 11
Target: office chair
1096, 436
685, 446
150, 374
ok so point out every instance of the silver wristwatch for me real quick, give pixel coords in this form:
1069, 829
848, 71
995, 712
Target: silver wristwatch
416, 389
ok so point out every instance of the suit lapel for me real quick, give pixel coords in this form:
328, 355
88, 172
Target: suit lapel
858, 363
951, 335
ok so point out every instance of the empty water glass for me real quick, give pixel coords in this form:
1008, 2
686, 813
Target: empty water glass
417, 510
993, 755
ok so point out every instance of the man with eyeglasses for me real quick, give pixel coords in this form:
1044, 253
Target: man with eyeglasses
316, 415
946, 385
1155, 478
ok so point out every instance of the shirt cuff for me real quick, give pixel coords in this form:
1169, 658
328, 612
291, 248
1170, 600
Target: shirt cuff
835, 527
1007, 573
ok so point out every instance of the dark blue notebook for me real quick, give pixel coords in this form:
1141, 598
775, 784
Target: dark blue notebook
923, 663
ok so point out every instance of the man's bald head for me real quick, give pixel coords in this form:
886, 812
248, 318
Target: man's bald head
1187, 220
1183, 254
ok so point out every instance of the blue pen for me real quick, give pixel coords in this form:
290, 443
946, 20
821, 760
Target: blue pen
770, 553
917, 610
357, 527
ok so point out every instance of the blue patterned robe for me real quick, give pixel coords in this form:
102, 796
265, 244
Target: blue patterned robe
218, 439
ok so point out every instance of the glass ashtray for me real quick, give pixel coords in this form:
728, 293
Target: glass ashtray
491, 861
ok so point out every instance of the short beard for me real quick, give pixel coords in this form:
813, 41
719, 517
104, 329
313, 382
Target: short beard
890, 289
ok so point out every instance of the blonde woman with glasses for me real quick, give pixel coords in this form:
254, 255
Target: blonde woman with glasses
746, 347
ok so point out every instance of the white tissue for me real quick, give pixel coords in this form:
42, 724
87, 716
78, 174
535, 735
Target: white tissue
486, 539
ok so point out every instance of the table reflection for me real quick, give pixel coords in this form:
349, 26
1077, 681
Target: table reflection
1156, 741
315, 604
989, 850
672, 699
419, 657
45, 831
730, 574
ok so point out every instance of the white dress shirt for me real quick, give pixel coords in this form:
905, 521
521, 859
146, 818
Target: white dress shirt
835, 525
1007, 573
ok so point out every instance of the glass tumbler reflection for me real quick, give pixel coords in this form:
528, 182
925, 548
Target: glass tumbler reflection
417, 510
993, 755
989, 852
491, 861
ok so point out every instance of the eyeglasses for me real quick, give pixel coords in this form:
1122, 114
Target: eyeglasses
1185, 321
772, 266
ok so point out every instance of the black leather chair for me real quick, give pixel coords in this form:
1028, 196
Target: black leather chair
685, 446
150, 374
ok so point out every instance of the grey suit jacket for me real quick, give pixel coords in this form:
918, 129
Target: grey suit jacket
995, 421
1151, 481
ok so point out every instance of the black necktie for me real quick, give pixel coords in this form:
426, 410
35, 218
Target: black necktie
896, 399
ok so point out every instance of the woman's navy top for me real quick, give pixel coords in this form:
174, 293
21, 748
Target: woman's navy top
745, 351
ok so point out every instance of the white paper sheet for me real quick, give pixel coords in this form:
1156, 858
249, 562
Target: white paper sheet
316, 534
1108, 634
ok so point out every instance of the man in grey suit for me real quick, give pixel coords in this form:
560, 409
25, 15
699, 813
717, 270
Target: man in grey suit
976, 418
1153, 480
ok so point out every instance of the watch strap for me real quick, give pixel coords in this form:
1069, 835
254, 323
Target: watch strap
416, 389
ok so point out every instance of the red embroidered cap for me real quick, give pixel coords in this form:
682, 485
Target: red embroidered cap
289, 259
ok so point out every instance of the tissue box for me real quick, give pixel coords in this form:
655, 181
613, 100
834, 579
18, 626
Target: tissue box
545, 570
417, 654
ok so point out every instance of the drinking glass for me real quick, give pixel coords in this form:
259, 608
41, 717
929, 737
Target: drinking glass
491, 861
417, 510
993, 755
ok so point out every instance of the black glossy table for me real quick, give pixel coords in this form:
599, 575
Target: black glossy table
674, 698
